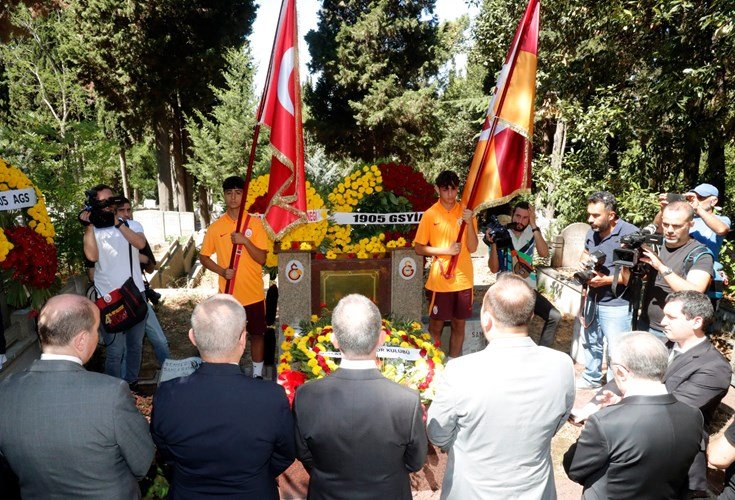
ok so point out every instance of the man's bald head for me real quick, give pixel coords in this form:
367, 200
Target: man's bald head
63, 317
509, 302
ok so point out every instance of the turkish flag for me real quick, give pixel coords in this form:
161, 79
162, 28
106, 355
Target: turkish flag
286, 197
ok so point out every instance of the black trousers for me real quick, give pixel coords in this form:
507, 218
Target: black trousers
551, 316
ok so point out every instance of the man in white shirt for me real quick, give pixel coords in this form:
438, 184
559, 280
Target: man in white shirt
496, 410
64, 431
115, 252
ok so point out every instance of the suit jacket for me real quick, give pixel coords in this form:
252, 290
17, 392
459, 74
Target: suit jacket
699, 377
359, 435
496, 411
224, 433
639, 448
70, 433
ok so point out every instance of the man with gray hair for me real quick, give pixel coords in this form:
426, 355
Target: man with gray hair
643, 446
496, 410
66, 432
224, 433
357, 433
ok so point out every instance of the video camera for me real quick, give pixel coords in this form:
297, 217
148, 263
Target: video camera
98, 216
629, 255
498, 232
591, 268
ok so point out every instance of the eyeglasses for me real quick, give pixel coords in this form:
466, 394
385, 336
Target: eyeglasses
621, 366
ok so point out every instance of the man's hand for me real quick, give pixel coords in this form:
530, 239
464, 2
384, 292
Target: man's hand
454, 248
467, 216
489, 237
600, 280
238, 238
651, 258
228, 274
84, 216
662, 200
608, 398
532, 216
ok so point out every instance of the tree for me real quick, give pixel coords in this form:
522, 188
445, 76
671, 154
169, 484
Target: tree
374, 96
220, 140
155, 62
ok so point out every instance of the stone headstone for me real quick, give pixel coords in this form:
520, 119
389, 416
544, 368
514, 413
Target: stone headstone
568, 251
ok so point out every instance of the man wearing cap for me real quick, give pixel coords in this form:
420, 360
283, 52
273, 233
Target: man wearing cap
709, 228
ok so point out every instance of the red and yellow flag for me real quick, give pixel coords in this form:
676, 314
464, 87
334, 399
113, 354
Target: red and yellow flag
503, 155
282, 114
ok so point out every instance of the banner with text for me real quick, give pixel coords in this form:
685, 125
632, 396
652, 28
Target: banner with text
406, 353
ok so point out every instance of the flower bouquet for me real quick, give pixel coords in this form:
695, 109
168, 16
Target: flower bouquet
407, 356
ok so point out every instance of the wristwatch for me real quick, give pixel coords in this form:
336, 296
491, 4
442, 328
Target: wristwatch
535, 229
666, 271
120, 223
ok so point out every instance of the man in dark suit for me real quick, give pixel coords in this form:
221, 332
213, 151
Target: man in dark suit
642, 446
225, 434
64, 431
357, 433
698, 374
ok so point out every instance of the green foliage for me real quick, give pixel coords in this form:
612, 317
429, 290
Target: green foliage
727, 259
374, 96
220, 140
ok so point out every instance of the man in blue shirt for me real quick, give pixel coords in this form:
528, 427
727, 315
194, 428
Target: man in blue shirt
605, 314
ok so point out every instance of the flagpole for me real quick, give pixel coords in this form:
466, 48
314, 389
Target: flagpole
253, 147
514, 58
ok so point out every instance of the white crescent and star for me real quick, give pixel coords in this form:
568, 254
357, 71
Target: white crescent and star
284, 74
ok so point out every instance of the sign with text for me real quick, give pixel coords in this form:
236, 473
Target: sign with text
17, 198
175, 368
406, 353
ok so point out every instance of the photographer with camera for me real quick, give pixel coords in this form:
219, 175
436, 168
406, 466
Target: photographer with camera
153, 330
682, 263
514, 253
113, 244
709, 229
605, 314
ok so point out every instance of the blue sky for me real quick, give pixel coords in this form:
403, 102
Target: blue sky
265, 27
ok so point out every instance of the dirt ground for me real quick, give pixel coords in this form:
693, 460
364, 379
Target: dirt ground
174, 313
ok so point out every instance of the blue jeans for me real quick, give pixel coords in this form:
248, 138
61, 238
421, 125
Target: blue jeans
127, 344
156, 337
603, 322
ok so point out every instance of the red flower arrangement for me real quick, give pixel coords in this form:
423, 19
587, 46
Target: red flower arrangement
32, 260
403, 180
32, 263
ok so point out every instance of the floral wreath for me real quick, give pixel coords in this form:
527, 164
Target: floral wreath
377, 188
28, 256
302, 358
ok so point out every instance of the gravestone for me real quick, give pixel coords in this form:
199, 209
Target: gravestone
569, 245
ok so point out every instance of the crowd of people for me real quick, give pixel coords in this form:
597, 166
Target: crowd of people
66, 432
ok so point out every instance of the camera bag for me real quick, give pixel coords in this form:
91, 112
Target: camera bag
124, 307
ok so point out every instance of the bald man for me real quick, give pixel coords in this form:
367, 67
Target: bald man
64, 431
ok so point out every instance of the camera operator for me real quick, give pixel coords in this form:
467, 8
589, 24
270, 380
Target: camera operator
106, 243
525, 237
681, 264
153, 330
605, 314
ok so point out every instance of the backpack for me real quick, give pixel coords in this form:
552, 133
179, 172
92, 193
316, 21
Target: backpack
716, 287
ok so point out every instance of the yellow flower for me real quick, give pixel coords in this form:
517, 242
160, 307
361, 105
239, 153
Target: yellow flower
312, 362
314, 318
316, 370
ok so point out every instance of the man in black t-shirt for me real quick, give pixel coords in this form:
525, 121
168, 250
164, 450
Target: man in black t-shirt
681, 264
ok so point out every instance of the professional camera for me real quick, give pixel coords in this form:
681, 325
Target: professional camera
630, 253
672, 197
498, 232
98, 216
591, 268
153, 296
